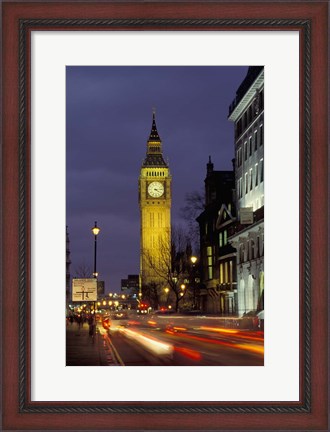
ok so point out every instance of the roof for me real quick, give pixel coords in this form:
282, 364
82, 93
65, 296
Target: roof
154, 136
153, 160
154, 157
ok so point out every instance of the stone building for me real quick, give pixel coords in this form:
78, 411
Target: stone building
218, 259
247, 234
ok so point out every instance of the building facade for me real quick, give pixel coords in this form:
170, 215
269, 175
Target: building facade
67, 275
247, 234
155, 211
218, 258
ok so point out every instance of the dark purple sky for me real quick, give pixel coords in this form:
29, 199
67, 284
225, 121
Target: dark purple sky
109, 116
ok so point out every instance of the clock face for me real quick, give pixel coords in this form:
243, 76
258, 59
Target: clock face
156, 189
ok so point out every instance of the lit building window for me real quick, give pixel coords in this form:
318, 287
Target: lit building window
221, 274
220, 239
209, 262
225, 237
226, 272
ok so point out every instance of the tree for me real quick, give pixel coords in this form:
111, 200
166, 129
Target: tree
151, 294
194, 206
83, 271
171, 267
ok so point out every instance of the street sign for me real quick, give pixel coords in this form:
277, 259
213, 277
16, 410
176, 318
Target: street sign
246, 215
84, 289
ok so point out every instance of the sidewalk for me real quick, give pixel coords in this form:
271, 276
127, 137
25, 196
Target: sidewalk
80, 349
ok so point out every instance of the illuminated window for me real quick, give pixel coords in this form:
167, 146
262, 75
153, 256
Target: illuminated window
221, 273
225, 237
226, 272
209, 262
220, 239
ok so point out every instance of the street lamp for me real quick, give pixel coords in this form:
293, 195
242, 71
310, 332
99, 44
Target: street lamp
167, 290
95, 231
193, 260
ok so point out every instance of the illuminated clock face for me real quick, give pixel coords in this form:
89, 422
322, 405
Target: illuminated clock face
156, 189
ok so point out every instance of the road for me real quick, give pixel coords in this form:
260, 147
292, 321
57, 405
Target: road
183, 341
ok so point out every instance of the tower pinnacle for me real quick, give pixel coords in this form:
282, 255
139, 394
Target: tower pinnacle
154, 136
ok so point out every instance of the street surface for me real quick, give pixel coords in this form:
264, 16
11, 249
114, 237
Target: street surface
181, 340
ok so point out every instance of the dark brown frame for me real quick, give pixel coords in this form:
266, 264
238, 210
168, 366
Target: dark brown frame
311, 20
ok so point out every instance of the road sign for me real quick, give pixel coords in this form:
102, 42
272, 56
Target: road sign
246, 215
84, 289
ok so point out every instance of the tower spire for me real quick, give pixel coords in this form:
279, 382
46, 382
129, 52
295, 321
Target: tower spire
154, 135
209, 166
154, 156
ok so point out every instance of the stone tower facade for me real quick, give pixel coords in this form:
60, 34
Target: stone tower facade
155, 212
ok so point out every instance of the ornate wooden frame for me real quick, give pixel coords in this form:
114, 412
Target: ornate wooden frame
19, 19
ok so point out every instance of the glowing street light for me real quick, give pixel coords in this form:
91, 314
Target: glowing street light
95, 231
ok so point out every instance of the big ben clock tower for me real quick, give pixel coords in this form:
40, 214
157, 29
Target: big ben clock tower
155, 212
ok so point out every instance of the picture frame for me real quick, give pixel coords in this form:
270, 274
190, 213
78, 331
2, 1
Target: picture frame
19, 19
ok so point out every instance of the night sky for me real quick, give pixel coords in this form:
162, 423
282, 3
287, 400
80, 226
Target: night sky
109, 117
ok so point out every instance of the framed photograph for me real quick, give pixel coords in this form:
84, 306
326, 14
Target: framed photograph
47, 49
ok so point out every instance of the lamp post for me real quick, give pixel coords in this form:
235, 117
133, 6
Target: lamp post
167, 290
193, 260
95, 231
